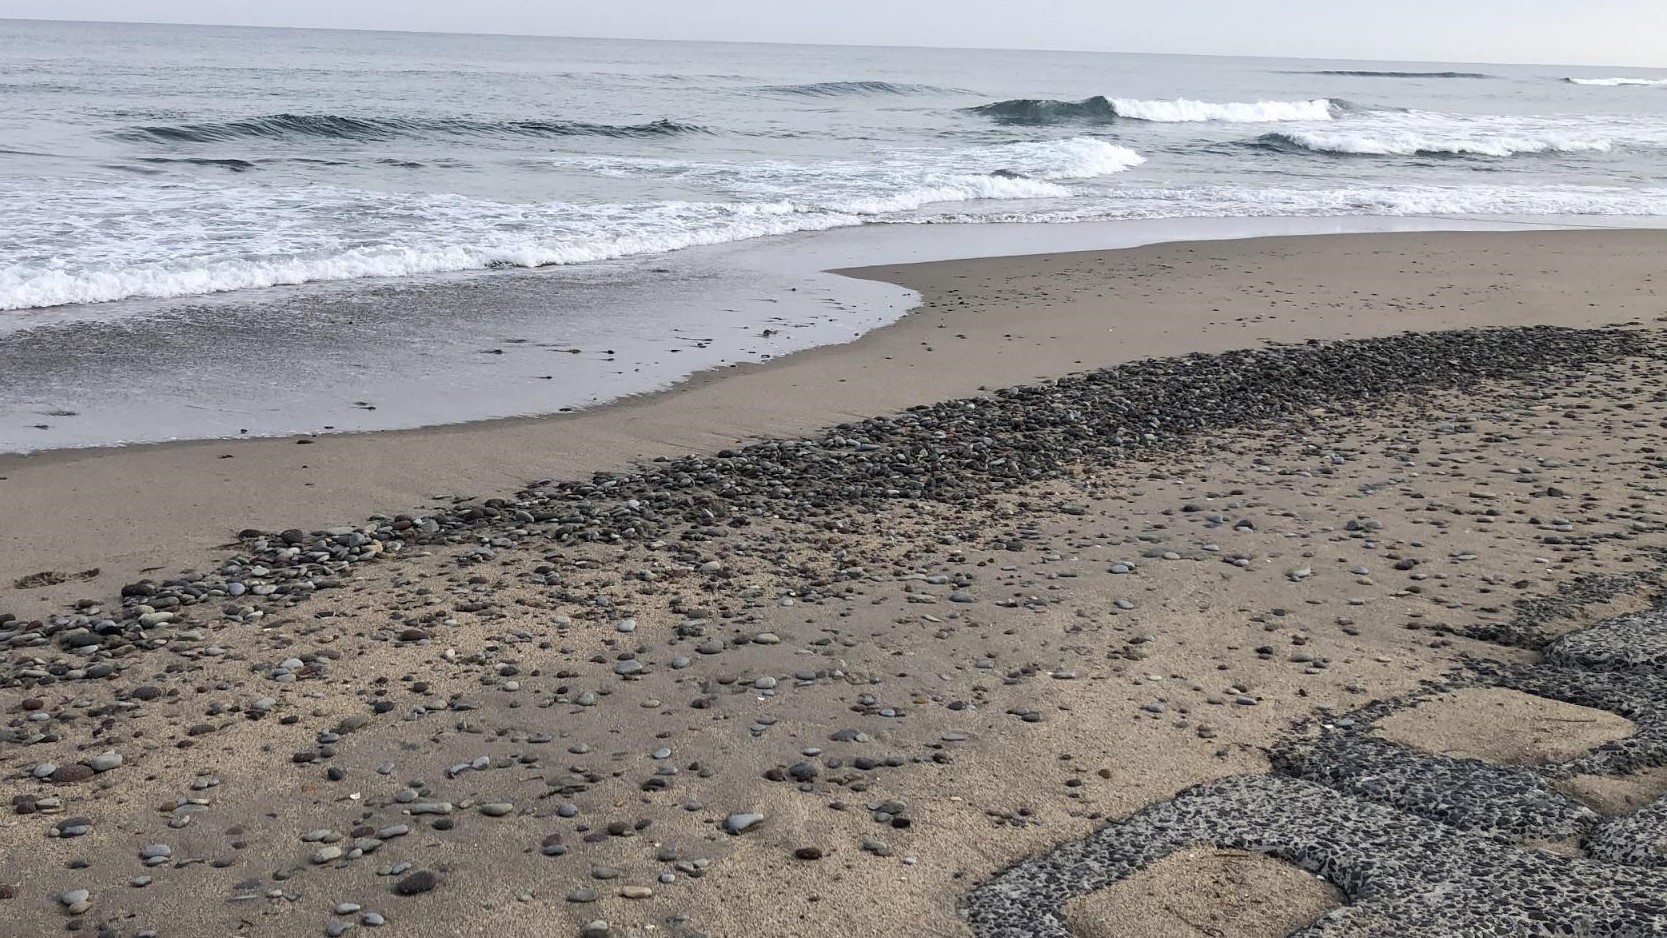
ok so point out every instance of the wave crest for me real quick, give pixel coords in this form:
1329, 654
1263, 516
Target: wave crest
338, 127
1099, 109
1047, 111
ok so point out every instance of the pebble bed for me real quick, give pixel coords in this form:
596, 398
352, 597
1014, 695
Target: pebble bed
1421, 844
1403, 875
951, 451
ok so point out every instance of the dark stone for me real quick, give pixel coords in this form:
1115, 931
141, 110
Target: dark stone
70, 774
417, 883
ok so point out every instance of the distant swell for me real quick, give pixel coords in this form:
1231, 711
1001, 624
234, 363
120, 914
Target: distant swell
1614, 82
829, 89
1356, 73
236, 166
1099, 109
1411, 144
334, 127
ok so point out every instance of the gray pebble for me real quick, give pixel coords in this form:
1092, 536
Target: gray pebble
742, 822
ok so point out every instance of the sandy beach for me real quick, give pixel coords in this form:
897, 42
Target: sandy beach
1227, 588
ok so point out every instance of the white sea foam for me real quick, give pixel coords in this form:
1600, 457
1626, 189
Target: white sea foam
252, 238
1431, 133
1408, 143
1122, 202
1185, 111
1615, 82
167, 239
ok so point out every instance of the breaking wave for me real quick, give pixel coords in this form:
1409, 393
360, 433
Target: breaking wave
1184, 111
1614, 82
1102, 109
1414, 144
337, 127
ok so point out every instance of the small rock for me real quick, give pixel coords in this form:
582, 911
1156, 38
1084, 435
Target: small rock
742, 822
417, 883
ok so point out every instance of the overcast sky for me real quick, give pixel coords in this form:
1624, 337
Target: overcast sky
1606, 32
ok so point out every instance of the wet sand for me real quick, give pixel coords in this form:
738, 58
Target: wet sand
569, 708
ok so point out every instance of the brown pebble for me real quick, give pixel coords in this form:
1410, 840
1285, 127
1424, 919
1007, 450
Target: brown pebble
807, 853
70, 774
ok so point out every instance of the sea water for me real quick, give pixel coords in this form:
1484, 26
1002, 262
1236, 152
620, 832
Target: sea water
226, 228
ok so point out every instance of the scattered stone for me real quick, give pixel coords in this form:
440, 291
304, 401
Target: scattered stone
742, 822
417, 883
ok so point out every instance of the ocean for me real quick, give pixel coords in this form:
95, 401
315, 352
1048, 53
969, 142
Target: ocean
216, 231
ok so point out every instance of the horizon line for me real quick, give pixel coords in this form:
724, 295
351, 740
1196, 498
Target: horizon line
832, 45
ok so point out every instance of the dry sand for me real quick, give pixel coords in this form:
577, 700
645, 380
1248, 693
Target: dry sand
1180, 670
1206, 893
1503, 726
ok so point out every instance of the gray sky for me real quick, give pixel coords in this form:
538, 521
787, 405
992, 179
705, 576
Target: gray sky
1600, 32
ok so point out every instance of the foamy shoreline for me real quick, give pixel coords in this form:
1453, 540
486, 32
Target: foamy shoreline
368, 356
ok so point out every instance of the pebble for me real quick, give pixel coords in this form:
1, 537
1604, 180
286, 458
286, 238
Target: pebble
73, 827
417, 883
742, 822
70, 774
